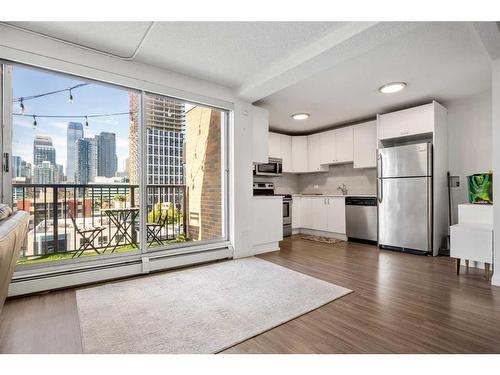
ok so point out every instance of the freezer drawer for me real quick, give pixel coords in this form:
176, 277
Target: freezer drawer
405, 161
404, 213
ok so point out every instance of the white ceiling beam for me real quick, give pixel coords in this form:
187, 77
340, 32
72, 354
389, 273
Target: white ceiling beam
351, 40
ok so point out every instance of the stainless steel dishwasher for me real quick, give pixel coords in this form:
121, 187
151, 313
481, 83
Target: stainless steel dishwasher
361, 219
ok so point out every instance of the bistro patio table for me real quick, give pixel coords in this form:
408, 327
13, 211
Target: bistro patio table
123, 219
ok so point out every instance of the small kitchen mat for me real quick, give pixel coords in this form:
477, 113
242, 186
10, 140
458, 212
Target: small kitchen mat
321, 239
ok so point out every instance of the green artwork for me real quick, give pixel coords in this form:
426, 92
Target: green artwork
480, 188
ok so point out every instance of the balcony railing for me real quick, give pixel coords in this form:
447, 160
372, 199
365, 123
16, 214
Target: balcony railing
60, 213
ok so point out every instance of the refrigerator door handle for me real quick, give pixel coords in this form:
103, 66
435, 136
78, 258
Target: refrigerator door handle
380, 190
380, 181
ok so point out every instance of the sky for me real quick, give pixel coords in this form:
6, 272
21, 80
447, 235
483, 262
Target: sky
91, 99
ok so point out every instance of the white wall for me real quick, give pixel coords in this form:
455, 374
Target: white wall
496, 167
469, 141
21, 47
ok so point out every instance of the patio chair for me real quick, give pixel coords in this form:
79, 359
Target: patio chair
88, 234
154, 228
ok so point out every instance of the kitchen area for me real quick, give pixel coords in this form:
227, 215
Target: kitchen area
382, 181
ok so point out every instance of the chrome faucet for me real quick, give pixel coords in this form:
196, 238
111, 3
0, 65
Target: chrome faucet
343, 189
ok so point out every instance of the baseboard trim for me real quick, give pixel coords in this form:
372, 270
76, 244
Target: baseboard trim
266, 248
495, 280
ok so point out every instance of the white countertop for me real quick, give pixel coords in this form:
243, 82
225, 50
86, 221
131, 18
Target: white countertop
268, 197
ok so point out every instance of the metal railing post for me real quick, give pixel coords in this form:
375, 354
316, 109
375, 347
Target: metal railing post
55, 225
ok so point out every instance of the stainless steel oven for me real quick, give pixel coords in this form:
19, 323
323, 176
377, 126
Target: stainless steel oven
273, 168
287, 215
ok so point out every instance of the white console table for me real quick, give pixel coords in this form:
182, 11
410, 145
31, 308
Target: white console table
472, 237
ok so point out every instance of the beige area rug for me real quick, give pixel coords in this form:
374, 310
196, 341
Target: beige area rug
198, 310
321, 239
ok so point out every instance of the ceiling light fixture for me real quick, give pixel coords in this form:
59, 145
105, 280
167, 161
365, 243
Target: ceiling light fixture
300, 116
391, 88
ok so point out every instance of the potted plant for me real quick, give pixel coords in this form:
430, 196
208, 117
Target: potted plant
119, 201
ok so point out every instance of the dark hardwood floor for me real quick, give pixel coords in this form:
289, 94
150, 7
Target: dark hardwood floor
401, 304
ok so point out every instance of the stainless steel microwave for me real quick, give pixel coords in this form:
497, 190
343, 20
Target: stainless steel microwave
273, 168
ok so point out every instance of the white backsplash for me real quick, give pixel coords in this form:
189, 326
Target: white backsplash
358, 181
288, 183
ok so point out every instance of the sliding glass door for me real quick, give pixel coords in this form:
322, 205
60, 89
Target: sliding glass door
68, 151
107, 172
185, 176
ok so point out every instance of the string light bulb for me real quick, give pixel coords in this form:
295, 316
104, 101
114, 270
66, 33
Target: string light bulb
70, 100
34, 122
21, 106
86, 121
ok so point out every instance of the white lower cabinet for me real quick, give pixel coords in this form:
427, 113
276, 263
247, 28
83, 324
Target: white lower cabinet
321, 213
335, 214
296, 212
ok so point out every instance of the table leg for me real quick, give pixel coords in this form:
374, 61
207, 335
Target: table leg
487, 271
458, 266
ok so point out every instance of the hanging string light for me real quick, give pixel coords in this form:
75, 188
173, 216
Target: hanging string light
69, 89
70, 99
84, 117
21, 106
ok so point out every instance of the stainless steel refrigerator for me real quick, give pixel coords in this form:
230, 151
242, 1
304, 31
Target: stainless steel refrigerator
404, 190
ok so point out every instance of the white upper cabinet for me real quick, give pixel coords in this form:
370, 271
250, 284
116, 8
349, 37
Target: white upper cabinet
286, 152
365, 145
408, 122
274, 145
336, 146
327, 145
299, 154
314, 153
343, 145
260, 132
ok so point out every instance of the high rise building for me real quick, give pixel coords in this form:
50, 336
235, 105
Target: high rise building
45, 173
107, 161
43, 150
165, 124
16, 166
84, 160
74, 133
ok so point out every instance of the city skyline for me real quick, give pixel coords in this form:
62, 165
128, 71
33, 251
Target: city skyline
91, 99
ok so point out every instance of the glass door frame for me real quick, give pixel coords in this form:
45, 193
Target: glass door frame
118, 259
225, 199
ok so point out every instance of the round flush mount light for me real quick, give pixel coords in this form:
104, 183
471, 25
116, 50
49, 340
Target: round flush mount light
391, 88
300, 116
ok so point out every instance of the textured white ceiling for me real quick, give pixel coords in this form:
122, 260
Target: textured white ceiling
120, 38
330, 69
227, 53
440, 61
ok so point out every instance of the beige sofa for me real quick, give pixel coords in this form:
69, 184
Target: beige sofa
13, 230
